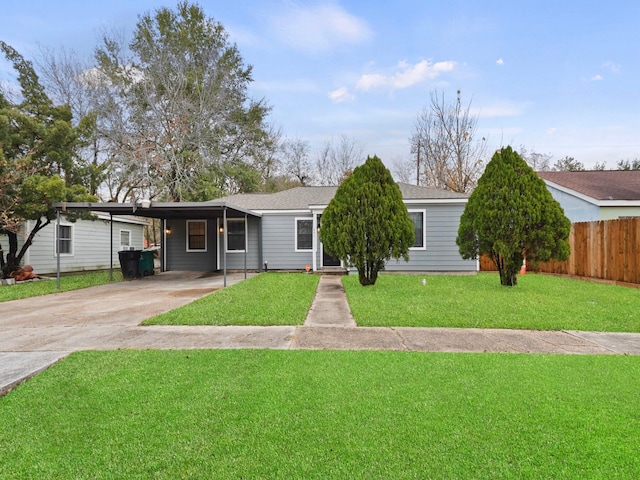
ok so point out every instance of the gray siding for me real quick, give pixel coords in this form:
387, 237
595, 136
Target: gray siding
90, 242
278, 239
236, 260
441, 252
178, 258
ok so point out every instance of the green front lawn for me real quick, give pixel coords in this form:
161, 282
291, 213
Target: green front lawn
266, 299
539, 302
50, 285
324, 414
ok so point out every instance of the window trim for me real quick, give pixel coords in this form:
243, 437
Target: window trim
424, 227
188, 245
120, 238
226, 232
71, 240
295, 234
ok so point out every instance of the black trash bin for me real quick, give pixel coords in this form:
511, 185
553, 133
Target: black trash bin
129, 263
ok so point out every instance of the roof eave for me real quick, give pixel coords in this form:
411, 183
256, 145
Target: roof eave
155, 210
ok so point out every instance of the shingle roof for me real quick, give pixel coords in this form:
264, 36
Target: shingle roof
417, 192
300, 198
599, 185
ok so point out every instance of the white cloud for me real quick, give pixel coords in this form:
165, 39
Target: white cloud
500, 61
612, 67
596, 78
340, 95
319, 28
404, 75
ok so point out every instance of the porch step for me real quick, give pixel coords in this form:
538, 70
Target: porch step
332, 271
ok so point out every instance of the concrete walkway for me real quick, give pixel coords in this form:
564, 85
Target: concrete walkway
39, 331
330, 307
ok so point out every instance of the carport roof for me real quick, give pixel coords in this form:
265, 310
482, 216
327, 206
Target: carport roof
166, 210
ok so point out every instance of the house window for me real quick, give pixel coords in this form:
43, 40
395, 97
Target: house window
125, 239
66, 240
417, 217
304, 234
236, 235
196, 236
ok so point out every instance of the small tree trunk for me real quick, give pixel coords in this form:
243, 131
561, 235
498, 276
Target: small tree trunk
12, 263
29, 241
508, 271
364, 279
2, 263
368, 275
508, 278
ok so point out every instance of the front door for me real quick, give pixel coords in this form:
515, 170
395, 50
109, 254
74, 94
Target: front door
328, 260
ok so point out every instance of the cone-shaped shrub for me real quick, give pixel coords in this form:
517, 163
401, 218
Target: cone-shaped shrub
512, 215
367, 223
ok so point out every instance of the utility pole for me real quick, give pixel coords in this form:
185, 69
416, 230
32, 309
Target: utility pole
418, 165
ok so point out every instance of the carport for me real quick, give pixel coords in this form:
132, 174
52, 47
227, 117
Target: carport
166, 211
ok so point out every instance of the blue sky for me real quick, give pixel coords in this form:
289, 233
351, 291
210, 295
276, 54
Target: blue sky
559, 77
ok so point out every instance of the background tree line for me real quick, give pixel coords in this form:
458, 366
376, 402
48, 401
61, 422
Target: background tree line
164, 116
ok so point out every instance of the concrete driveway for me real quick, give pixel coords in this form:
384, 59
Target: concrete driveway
107, 317
36, 332
122, 303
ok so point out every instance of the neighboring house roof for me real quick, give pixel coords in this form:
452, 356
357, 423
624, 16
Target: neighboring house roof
599, 185
301, 198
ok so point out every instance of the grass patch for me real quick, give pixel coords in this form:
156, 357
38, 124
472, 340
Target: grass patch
323, 414
539, 302
266, 299
49, 285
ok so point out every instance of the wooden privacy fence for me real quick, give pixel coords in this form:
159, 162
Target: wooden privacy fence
606, 249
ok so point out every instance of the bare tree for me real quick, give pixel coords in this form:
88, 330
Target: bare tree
405, 171
179, 115
568, 164
540, 162
600, 166
296, 163
336, 161
629, 164
444, 141
72, 80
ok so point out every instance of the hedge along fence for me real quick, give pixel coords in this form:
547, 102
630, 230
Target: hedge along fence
605, 249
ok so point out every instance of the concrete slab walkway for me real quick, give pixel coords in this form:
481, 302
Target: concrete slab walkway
330, 307
39, 331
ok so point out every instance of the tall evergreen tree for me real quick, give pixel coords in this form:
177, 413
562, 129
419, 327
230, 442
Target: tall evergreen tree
37, 161
366, 223
511, 215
